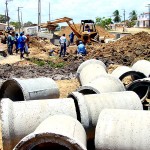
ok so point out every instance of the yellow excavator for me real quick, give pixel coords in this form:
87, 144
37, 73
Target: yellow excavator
87, 32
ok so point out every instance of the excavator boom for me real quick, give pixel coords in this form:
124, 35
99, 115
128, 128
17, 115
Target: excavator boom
67, 20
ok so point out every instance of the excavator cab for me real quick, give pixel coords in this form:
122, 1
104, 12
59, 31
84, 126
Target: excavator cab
88, 31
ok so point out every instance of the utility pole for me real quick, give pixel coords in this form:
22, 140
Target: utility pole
149, 13
124, 15
6, 14
19, 18
49, 12
21, 22
39, 15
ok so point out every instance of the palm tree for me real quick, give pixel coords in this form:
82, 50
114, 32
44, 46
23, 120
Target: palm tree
117, 17
133, 15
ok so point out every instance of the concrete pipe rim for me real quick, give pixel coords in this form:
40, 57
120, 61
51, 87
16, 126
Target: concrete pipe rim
27, 143
85, 63
86, 90
135, 75
138, 84
81, 108
9, 82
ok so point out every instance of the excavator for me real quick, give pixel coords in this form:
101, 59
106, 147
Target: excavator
87, 32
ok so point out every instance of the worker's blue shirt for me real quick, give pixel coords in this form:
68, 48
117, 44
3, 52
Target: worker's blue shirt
81, 49
21, 42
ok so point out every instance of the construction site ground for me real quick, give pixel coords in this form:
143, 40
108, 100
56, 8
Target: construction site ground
39, 63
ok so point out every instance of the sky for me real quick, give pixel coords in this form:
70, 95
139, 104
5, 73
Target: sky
75, 9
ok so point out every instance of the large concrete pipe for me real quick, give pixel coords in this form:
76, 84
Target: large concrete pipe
141, 87
90, 70
29, 89
90, 106
19, 119
142, 66
122, 72
102, 84
123, 130
58, 132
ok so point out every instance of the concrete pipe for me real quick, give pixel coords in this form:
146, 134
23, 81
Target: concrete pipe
123, 130
90, 70
95, 103
58, 132
21, 118
102, 84
142, 66
29, 89
141, 87
122, 72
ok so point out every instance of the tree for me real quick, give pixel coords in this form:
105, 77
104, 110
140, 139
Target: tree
133, 15
117, 17
3, 18
15, 24
28, 24
103, 22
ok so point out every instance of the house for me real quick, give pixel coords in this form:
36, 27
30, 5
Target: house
143, 20
2, 26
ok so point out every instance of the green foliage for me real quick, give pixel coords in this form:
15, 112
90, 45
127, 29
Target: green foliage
4, 18
133, 15
28, 24
15, 24
117, 17
40, 62
130, 24
103, 22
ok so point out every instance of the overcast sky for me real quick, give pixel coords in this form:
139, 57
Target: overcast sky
76, 9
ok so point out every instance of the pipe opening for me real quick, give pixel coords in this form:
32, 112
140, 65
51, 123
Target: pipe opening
49, 145
87, 91
141, 91
10, 89
131, 76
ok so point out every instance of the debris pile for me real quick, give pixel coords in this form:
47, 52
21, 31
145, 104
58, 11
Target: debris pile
124, 51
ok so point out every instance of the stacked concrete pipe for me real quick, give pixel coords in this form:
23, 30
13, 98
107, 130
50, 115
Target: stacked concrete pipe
141, 87
123, 130
18, 119
142, 66
29, 89
90, 106
56, 132
122, 72
102, 84
90, 70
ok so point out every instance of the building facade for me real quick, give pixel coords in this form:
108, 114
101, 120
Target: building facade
143, 20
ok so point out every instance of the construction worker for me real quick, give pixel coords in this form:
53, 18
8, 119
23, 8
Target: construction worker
10, 42
71, 35
21, 44
81, 49
16, 42
62, 42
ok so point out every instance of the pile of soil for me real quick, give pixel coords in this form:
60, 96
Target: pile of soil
102, 32
33, 71
124, 51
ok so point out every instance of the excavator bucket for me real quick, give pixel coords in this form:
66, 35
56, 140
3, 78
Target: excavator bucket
60, 20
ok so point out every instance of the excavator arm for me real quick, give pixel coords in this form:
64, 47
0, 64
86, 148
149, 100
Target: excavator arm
67, 20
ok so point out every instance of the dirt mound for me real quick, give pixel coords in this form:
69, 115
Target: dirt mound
102, 32
124, 51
